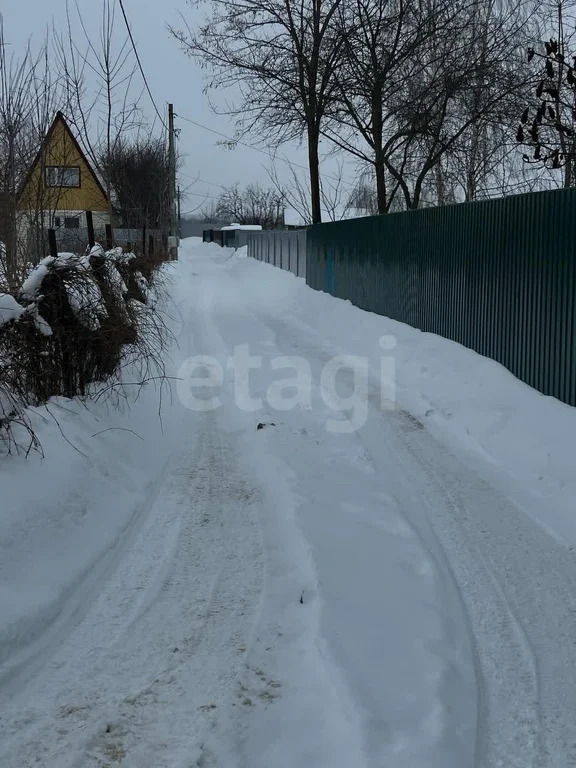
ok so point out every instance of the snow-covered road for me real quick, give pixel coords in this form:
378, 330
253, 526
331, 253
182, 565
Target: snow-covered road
302, 595
168, 623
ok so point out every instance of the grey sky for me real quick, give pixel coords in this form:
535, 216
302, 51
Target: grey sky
172, 77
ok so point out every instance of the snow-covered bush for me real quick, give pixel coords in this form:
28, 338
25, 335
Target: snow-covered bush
139, 273
74, 321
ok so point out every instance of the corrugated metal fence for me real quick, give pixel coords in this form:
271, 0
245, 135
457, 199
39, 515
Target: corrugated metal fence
286, 250
224, 237
498, 276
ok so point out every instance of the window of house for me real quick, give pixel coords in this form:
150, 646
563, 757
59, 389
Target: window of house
57, 221
72, 222
62, 176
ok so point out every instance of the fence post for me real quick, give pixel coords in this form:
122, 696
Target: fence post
128, 247
90, 225
109, 241
52, 246
144, 240
151, 245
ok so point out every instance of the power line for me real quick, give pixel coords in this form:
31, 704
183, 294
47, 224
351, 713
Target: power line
121, 3
187, 213
237, 141
203, 181
199, 194
261, 151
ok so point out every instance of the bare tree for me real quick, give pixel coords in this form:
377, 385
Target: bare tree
382, 41
363, 198
29, 91
252, 205
418, 76
295, 193
104, 112
282, 56
137, 170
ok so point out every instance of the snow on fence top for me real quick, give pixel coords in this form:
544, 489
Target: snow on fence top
246, 227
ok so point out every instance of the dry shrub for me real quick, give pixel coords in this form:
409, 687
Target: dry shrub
139, 272
22, 350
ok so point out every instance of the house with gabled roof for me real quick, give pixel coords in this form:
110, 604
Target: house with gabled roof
60, 186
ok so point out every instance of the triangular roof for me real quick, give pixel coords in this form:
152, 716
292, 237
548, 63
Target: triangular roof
59, 118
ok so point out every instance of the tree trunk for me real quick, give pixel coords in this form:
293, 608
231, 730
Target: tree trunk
379, 170
10, 235
314, 167
440, 187
377, 133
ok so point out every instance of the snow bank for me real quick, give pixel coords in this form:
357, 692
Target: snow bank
521, 440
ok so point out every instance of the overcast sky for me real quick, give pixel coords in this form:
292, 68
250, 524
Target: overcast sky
172, 77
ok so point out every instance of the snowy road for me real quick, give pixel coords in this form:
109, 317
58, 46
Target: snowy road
297, 597
170, 625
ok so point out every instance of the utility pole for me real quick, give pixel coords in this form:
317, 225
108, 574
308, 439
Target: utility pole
172, 231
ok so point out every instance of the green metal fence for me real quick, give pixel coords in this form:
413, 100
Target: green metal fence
286, 250
498, 276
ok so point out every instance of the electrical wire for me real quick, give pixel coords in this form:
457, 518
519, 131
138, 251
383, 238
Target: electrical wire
199, 194
260, 151
237, 141
203, 181
137, 55
195, 122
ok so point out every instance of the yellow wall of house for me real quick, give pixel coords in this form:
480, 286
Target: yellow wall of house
61, 150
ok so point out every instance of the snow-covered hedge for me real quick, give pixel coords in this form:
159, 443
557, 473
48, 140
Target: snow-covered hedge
70, 326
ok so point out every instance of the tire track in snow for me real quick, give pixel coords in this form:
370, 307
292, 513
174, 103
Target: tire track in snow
510, 728
520, 623
50, 632
156, 654
286, 643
